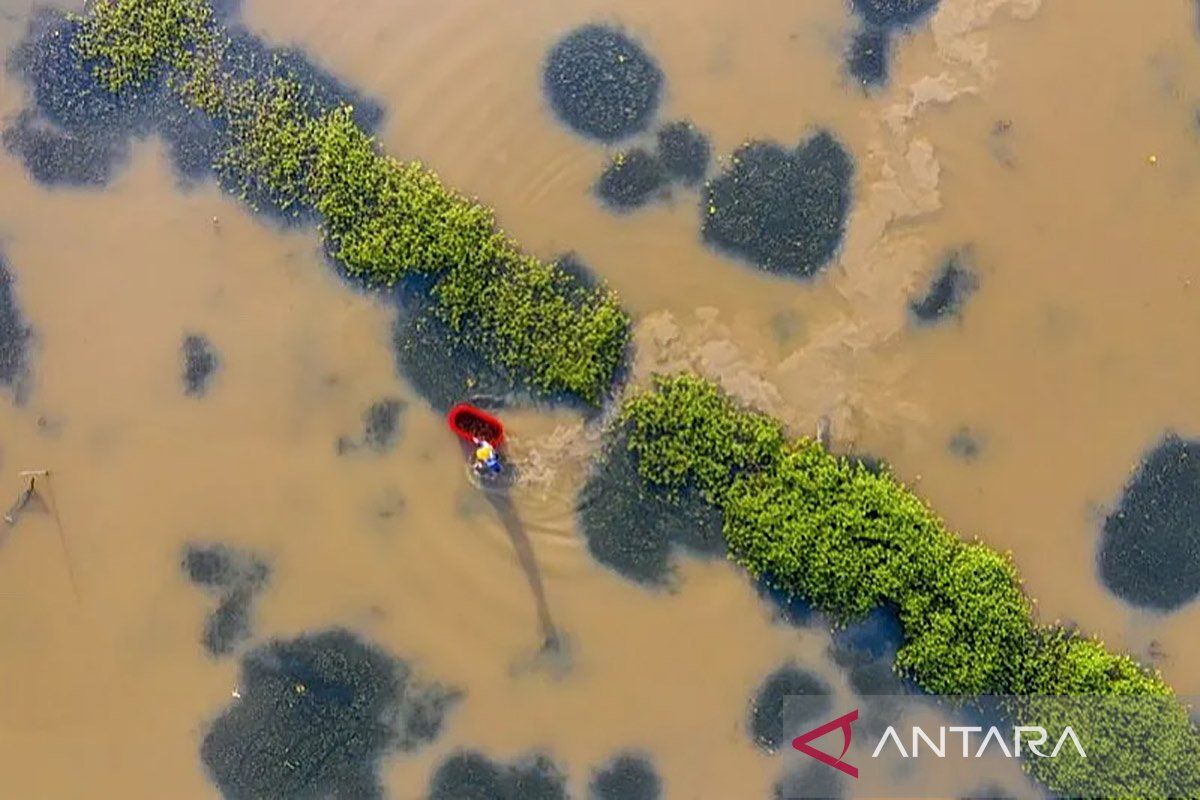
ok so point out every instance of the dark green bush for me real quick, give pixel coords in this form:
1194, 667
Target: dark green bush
849, 540
383, 220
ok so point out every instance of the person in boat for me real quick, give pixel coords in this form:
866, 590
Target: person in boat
487, 460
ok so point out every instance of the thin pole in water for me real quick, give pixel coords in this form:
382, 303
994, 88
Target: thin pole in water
33, 475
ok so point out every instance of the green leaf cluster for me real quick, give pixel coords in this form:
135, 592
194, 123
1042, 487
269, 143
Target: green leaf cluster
129, 41
848, 539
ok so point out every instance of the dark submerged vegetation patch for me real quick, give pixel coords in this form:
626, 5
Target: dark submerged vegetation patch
627, 776
782, 210
294, 144
16, 336
601, 83
893, 13
637, 529
775, 716
439, 366
235, 578
954, 282
989, 791
313, 717
55, 157
867, 58
848, 540
200, 362
217, 566
1150, 545
684, 151
468, 775
866, 652
810, 781
966, 444
631, 180
380, 427
869, 51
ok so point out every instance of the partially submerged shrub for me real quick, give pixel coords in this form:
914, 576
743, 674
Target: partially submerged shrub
200, 361
314, 715
1150, 545
782, 210
849, 540
627, 776
468, 775
601, 83
15, 335
684, 151
631, 180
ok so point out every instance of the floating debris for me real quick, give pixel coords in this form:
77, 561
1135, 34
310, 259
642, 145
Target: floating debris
601, 83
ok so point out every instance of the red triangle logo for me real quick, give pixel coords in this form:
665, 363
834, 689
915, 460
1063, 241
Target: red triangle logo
801, 743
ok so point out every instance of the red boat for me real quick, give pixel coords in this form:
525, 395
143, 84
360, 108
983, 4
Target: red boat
471, 423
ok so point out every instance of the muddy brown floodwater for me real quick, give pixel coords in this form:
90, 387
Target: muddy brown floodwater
1058, 144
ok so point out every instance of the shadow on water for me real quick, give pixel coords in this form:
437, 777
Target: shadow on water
498, 492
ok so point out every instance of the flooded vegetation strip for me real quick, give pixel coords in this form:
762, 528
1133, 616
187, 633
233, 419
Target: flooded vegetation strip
383, 221
849, 540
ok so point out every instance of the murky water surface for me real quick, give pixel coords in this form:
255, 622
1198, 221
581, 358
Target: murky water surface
1056, 147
